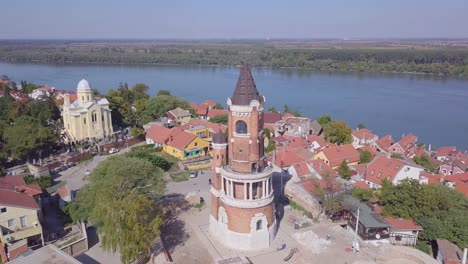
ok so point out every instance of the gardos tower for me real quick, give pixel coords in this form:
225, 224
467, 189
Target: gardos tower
242, 212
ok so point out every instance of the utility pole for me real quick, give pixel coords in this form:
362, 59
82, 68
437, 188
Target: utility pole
356, 231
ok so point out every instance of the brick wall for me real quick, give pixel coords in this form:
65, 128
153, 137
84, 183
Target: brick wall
239, 218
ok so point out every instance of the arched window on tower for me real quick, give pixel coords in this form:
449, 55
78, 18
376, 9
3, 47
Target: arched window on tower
241, 127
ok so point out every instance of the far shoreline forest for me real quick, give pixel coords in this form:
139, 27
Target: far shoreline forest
442, 60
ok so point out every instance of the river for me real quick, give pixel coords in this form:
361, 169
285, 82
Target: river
432, 107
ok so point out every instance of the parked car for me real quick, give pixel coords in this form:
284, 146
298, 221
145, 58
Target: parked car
113, 150
193, 174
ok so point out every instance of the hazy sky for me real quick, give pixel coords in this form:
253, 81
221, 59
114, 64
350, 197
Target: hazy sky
234, 19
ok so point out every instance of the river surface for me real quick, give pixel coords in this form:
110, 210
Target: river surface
434, 108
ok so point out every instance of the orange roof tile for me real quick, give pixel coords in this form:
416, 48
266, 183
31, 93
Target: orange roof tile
322, 168
331, 185
361, 185
287, 115
158, 133
296, 142
214, 127
320, 140
408, 141
301, 168
209, 103
180, 140
285, 157
336, 154
460, 178
385, 142
402, 224
216, 112
202, 109
382, 168
373, 150
271, 118
193, 105
364, 134
432, 178
13, 198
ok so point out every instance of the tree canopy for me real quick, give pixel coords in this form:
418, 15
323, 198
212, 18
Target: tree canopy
344, 170
366, 156
425, 161
338, 132
440, 210
119, 201
221, 119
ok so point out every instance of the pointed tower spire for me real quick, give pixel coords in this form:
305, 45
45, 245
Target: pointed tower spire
246, 90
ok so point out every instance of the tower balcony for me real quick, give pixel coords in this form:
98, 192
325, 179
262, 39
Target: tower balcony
256, 173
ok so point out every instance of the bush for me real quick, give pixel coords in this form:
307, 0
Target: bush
43, 181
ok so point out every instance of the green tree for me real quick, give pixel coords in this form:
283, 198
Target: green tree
221, 119
362, 194
272, 109
43, 181
440, 210
271, 146
366, 156
218, 106
425, 161
27, 137
361, 126
161, 104
137, 132
163, 92
344, 170
285, 109
267, 132
397, 156
120, 202
324, 119
338, 132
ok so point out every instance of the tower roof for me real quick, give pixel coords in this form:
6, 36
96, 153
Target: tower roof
83, 85
219, 138
246, 90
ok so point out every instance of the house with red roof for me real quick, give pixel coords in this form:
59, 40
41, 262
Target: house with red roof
403, 232
285, 157
393, 170
202, 111
299, 170
20, 215
210, 104
406, 146
444, 153
320, 169
384, 143
297, 126
317, 143
184, 145
203, 129
157, 135
373, 150
458, 182
269, 120
334, 155
363, 137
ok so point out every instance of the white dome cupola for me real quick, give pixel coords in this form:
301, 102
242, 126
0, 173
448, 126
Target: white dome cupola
85, 94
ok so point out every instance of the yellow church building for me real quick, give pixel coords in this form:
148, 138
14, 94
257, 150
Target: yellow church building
86, 117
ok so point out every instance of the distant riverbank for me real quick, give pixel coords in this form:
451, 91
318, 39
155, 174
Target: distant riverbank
432, 107
444, 62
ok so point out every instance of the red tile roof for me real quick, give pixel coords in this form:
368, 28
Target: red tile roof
408, 141
214, 127
385, 142
270, 117
432, 178
402, 224
445, 151
296, 142
180, 140
451, 253
13, 198
322, 168
361, 185
280, 139
63, 191
209, 103
193, 105
336, 154
364, 134
202, 110
381, 168
17, 183
32, 189
287, 115
373, 150
463, 188
301, 168
320, 140
286, 157
217, 112
158, 133
460, 178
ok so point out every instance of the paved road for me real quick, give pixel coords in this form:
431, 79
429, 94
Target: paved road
75, 176
199, 184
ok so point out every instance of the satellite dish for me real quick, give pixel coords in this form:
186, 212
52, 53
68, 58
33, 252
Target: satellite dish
377, 236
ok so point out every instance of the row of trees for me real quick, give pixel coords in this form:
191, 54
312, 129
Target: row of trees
335, 131
435, 61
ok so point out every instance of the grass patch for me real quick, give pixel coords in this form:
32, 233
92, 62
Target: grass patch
85, 160
68, 242
171, 159
181, 176
297, 207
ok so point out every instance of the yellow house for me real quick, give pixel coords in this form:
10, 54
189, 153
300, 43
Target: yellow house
19, 219
202, 128
184, 145
334, 155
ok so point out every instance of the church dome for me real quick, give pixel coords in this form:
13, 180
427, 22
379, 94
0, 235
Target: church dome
83, 85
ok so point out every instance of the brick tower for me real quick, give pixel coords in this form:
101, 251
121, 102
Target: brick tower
242, 213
